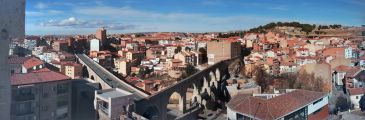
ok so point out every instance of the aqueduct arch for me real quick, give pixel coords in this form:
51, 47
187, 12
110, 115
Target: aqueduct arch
205, 87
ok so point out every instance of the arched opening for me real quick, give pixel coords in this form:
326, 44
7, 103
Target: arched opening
205, 86
212, 76
175, 106
92, 77
191, 97
151, 113
85, 72
218, 74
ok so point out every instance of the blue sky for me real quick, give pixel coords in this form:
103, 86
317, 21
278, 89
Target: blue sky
125, 16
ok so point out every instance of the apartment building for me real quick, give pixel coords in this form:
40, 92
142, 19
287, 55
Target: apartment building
41, 95
221, 50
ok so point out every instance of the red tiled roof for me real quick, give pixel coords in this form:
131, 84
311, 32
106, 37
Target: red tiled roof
342, 68
17, 60
334, 51
32, 62
274, 108
42, 70
356, 91
352, 72
37, 77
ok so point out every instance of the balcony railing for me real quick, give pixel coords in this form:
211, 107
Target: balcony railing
24, 97
104, 109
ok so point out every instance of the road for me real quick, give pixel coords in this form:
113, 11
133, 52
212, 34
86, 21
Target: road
109, 78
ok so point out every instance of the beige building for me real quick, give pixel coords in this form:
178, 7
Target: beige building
72, 70
44, 95
134, 55
123, 66
221, 50
186, 57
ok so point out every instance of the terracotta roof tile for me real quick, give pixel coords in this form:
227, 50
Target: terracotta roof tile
356, 91
274, 108
352, 72
32, 62
17, 60
37, 77
342, 68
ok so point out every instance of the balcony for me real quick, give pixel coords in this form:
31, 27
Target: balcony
104, 109
24, 97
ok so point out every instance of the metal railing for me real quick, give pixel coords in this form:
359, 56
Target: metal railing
104, 109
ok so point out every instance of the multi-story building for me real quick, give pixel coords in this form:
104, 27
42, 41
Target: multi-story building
112, 104
170, 50
44, 95
94, 45
222, 50
101, 35
294, 104
123, 66
186, 57
131, 55
72, 70
60, 45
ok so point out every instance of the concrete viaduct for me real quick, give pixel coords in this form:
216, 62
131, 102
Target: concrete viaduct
99, 74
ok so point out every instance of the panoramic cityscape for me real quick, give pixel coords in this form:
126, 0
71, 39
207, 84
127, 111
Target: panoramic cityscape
182, 60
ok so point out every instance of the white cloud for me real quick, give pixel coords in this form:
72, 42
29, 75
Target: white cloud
43, 13
280, 8
175, 21
34, 13
41, 5
77, 23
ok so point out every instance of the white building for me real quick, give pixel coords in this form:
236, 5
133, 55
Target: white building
94, 45
355, 96
348, 52
170, 51
110, 104
29, 44
291, 105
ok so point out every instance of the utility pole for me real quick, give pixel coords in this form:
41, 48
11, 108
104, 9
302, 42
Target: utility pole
12, 16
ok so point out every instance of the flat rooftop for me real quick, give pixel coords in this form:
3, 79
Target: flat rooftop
112, 93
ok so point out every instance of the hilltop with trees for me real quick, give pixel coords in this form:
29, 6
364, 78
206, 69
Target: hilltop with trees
307, 28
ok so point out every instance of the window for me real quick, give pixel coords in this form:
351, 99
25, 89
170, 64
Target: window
62, 101
357, 97
241, 117
45, 95
23, 108
24, 94
62, 88
45, 108
317, 101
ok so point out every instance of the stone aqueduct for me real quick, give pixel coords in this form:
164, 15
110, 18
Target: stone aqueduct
207, 86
